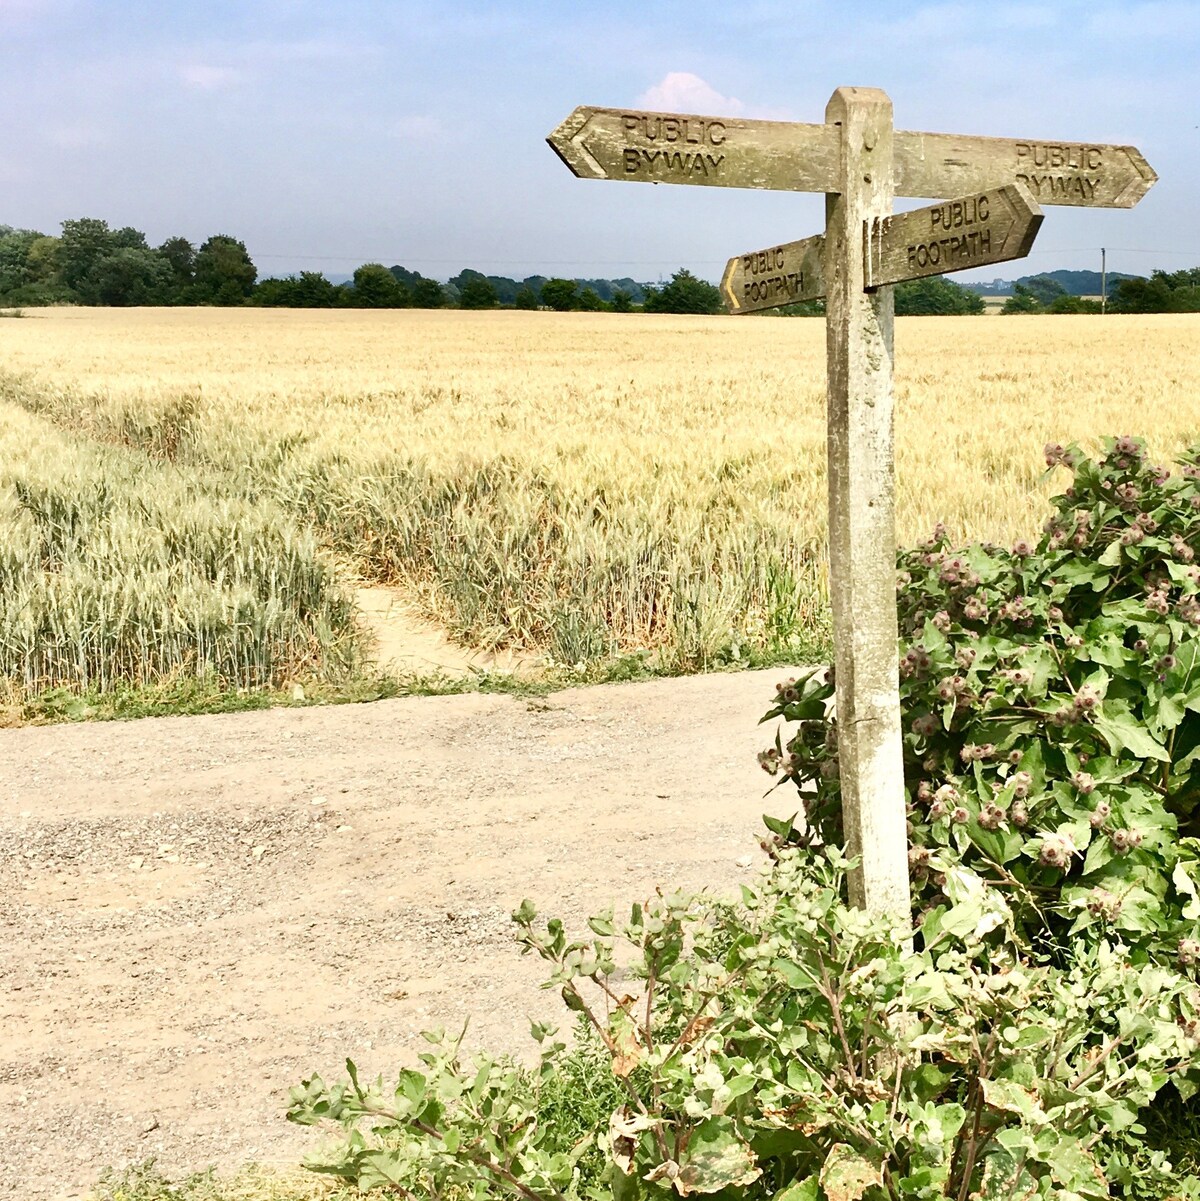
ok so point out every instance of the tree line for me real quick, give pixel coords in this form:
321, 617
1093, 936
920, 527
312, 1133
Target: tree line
1163, 292
91, 263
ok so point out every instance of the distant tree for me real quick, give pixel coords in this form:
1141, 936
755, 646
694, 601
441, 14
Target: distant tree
1073, 304
29, 269
42, 261
128, 238
560, 294
405, 276
477, 293
622, 302
314, 291
1023, 300
375, 287
1163, 292
685, 294
504, 288
589, 302
427, 293
936, 296
180, 256
1189, 277
224, 273
526, 298
308, 290
1045, 288
15, 248
274, 293
130, 276
84, 242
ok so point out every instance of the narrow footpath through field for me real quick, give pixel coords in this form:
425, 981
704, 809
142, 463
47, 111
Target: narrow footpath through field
197, 911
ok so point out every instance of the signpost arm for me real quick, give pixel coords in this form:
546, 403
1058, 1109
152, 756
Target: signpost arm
859, 333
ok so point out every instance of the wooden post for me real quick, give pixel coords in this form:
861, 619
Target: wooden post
862, 537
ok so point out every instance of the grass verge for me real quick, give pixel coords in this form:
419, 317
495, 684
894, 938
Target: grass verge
193, 695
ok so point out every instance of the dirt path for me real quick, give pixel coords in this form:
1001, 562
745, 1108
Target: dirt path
194, 912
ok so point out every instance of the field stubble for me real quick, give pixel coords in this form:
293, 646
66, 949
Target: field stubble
576, 485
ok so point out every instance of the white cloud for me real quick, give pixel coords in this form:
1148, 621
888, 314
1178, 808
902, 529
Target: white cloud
683, 92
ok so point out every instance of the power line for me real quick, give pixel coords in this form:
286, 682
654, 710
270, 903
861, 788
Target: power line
339, 258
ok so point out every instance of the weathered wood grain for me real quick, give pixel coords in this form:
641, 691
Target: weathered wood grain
1070, 173
724, 152
862, 538
952, 235
729, 152
777, 276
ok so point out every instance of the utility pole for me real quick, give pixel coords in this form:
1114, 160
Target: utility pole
1103, 281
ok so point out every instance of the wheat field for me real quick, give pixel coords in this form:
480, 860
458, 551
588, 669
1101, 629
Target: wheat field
581, 485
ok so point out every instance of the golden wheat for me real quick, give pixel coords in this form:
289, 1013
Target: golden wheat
586, 484
116, 570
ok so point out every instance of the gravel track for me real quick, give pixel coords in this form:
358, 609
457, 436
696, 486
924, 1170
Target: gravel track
197, 911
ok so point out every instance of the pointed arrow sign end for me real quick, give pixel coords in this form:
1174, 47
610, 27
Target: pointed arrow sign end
1146, 177
567, 142
1027, 216
731, 297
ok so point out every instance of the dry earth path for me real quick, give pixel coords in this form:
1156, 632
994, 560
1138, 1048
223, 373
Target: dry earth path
196, 911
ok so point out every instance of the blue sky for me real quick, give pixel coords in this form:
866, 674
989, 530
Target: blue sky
327, 134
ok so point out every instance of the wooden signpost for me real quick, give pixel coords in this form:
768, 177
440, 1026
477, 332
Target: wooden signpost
861, 163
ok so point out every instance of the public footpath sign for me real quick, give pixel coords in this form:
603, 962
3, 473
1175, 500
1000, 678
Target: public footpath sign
767, 279
989, 191
974, 231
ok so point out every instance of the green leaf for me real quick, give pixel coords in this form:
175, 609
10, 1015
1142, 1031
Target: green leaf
625, 1186
799, 1190
1170, 712
1186, 885
781, 826
846, 1174
715, 1158
1005, 1178
1099, 853
1008, 1097
1122, 731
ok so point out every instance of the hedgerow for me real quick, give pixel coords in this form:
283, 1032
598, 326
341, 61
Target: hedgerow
1051, 702
1010, 1043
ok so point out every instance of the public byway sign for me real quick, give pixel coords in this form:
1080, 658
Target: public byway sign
990, 190
612, 143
